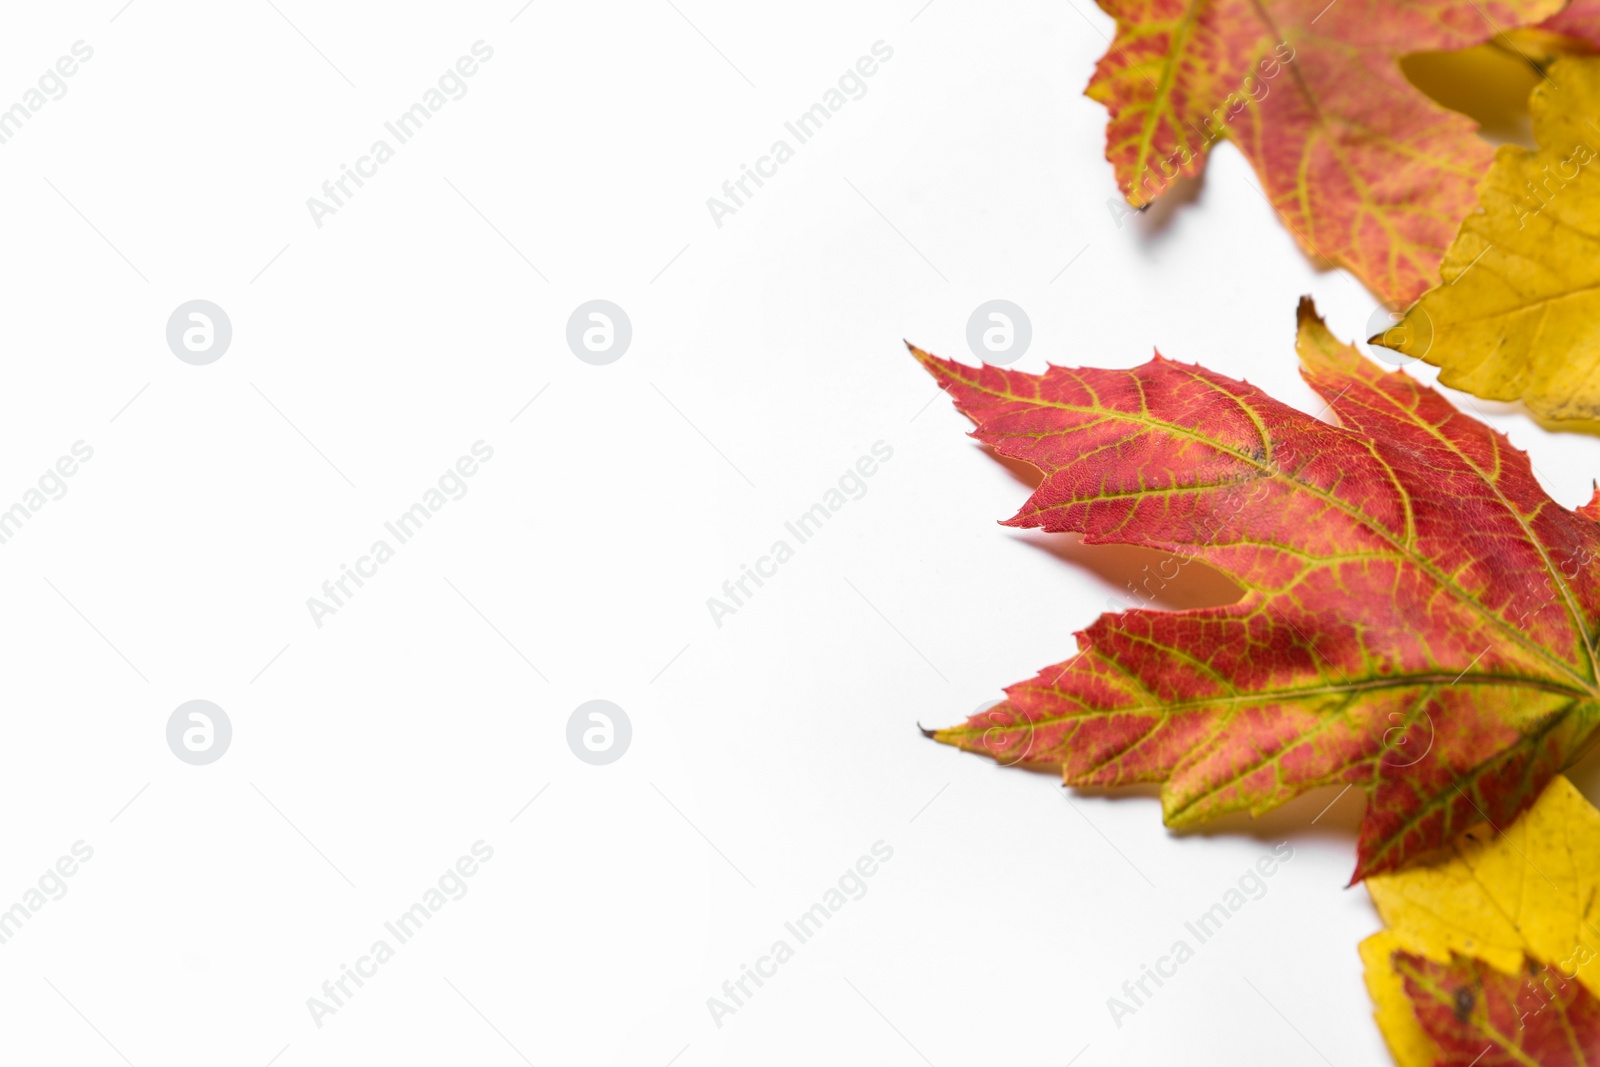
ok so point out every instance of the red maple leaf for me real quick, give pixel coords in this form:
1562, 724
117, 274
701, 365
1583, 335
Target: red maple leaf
1479, 1017
1365, 170
1418, 618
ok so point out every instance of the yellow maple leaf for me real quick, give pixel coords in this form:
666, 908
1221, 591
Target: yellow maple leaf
1517, 316
1516, 900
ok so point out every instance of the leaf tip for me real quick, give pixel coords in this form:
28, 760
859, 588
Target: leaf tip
944, 371
1591, 510
1307, 310
1322, 354
950, 735
1371, 862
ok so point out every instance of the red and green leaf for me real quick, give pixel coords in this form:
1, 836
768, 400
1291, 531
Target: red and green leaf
1419, 618
1365, 170
1478, 1017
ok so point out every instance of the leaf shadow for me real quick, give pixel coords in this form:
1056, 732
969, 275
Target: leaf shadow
1143, 577
1024, 472
1137, 574
1487, 83
1330, 812
1584, 773
1521, 410
1156, 218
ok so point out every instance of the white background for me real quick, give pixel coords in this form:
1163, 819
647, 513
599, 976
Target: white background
767, 754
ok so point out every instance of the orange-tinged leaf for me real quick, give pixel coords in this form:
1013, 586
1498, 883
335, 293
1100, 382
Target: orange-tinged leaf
1418, 617
1529, 892
1479, 1017
1492, 949
1364, 169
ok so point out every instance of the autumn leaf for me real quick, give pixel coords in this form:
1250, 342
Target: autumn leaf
1517, 316
1493, 948
1477, 1016
1574, 30
1531, 890
1417, 620
1364, 169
